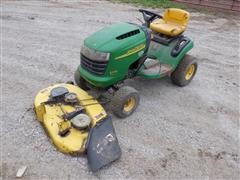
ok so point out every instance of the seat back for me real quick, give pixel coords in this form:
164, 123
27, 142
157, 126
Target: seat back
176, 16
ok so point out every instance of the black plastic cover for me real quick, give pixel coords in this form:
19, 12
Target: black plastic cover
58, 92
102, 145
180, 45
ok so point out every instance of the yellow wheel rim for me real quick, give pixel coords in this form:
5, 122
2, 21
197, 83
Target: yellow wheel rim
190, 71
130, 104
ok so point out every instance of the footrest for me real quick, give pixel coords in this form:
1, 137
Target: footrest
152, 68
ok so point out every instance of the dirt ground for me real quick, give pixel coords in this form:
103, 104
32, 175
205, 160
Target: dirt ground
190, 132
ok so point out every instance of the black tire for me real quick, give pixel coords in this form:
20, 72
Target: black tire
178, 76
121, 98
80, 81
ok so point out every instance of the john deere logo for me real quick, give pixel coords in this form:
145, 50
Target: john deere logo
87, 52
132, 51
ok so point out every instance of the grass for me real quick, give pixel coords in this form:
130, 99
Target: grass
153, 3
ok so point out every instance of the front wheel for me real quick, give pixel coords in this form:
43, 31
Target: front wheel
125, 101
80, 81
185, 71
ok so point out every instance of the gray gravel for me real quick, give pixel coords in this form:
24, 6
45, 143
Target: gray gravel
189, 132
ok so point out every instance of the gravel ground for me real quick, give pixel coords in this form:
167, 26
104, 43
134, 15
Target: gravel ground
190, 132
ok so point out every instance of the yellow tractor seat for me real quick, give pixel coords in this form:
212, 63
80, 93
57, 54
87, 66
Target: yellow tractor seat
173, 23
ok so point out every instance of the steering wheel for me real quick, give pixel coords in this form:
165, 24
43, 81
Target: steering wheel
149, 16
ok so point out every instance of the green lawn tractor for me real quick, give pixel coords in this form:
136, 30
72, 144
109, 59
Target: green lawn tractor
152, 50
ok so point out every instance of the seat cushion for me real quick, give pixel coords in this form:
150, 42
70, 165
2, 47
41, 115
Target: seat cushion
173, 23
167, 28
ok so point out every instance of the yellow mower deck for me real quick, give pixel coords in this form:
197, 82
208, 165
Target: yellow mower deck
50, 115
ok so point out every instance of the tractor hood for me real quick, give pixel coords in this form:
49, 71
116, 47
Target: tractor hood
113, 37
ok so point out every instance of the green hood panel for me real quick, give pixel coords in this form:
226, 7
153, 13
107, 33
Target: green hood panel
105, 40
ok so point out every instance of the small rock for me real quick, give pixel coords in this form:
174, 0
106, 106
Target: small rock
21, 171
31, 17
164, 163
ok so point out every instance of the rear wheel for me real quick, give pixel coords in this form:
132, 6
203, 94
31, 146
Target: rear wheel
125, 101
185, 71
82, 83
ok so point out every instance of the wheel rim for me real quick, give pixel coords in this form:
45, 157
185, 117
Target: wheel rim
190, 71
130, 104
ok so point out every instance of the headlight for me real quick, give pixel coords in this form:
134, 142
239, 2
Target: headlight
94, 55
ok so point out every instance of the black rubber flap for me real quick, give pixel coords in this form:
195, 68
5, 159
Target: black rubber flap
102, 147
